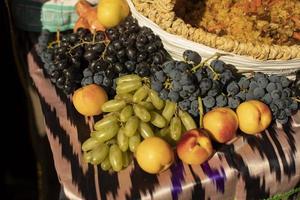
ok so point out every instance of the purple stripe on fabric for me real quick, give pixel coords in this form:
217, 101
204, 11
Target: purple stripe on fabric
218, 177
177, 171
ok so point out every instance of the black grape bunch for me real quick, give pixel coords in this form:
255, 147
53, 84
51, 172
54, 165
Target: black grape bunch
82, 58
218, 84
134, 49
66, 55
185, 81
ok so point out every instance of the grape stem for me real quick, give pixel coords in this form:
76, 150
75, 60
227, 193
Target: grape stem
167, 84
146, 82
296, 99
216, 55
200, 108
81, 43
94, 36
57, 41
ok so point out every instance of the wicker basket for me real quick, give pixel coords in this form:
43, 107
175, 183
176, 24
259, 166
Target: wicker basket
160, 17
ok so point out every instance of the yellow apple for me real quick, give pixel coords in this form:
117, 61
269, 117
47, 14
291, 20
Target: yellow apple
254, 116
111, 12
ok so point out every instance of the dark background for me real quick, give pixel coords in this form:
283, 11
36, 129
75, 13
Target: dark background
27, 170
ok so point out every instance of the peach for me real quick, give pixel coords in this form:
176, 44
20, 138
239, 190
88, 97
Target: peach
254, 116
221, 123
89, 99
154, 155
194, 147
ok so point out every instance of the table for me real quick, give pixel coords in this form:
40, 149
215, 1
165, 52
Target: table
251, 167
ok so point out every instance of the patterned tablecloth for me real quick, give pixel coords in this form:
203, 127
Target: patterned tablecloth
252, 167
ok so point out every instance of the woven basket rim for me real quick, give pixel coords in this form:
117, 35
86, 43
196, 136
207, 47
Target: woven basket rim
161, 13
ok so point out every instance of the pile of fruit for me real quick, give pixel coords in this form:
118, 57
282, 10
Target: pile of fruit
151, 103
135, 113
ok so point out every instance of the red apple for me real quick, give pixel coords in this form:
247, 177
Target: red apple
194, 147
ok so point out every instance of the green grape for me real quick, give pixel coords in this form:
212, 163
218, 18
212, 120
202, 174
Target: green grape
122, 140
106, 134
105, 165
175, 128
126, 113
145, 130
111, 141
93, 133
128, 87
158, 120
105, 122
99, 154
140, 94
127, 158
156, 100
87, 156
187, 120
169, 110
126, 96
131, 126
141, 113
134, 141
148, 105
164, 132
115, 158
113, 105
90, 144
148, 98
128, 78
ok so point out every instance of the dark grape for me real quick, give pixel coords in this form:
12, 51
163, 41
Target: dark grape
163, 94
185, 104
205, 84
262, 82
173, 96
234, 102
232, 88
130, 66
270, 87
98, 78
221, 101
209, 101
191, 57
267, 98
276, 94
259, 92
244, 83
218, 66
160, 75
87, 81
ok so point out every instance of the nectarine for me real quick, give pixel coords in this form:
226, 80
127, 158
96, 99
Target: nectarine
154, 155
254, 116
89, 99
194, 147
222, 124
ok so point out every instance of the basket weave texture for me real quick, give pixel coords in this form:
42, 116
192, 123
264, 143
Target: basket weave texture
162, 13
